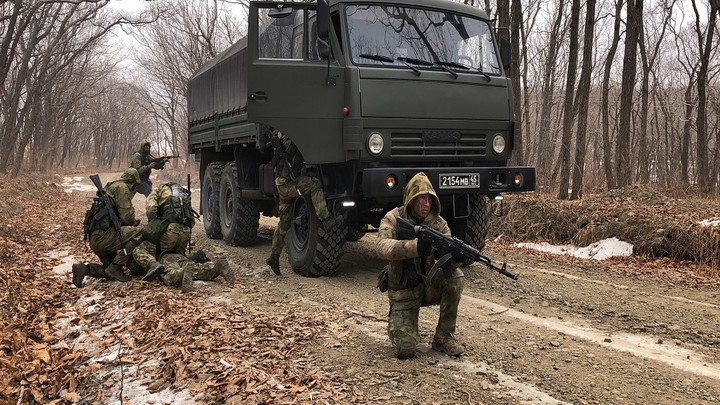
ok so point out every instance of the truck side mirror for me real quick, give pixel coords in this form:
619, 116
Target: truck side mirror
323, 20
505, 53
280, 12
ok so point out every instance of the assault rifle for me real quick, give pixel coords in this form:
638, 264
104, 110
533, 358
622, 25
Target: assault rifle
276, 143
446, 244
160, 162
110, 207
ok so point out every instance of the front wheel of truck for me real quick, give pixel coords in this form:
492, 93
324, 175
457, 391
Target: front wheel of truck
313, 251
473, 229
239, 218
209, 195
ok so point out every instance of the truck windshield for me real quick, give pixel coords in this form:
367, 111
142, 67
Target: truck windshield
394, 35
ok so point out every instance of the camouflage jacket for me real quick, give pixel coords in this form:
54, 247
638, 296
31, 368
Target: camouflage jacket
162, 195
281, 170
406, 266
141, 160
121, 192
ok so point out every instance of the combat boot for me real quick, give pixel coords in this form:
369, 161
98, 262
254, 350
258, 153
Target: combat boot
199, 257
156, 269
222, 268
446, 343
274, 262
405, 350
115, 271
79, 271
187, 281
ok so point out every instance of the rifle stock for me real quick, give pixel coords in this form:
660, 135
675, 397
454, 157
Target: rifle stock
105, 198
453, 245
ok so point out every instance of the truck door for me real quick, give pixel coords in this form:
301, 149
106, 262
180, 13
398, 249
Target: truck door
291, 86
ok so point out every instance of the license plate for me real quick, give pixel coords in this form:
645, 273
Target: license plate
460, 180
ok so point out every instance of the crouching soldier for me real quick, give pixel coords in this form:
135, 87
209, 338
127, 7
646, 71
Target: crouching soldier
103, 236
411, 263
167, 235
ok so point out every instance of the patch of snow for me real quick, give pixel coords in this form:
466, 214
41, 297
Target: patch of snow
710, 222
63, 269
76, 184
602, 250
138, 394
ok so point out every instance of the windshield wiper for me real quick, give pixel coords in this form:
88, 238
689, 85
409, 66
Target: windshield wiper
408, 61
379, 58
461, 66
444, 66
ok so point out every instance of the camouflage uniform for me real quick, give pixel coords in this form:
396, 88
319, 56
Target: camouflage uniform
287, 193
175, 268
140, 162
104, 242
407, 289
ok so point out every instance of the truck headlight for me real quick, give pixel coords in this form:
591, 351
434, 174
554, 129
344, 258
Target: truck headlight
498, 144
375, 143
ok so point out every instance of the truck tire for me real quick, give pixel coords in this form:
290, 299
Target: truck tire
473, 230
239, 218
209, 195
478, 222
312, 250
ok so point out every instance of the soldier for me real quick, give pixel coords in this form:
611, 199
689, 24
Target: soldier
103, 236
410, 262
167, 234
287, 191
144, 162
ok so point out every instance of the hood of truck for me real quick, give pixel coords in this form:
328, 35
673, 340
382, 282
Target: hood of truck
399, 93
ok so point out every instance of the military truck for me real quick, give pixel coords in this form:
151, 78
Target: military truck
371, 92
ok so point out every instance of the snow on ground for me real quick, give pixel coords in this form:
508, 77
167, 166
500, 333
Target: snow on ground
710, 222
599, 250
76, 183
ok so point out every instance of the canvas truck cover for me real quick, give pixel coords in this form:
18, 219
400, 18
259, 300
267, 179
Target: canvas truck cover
220, 85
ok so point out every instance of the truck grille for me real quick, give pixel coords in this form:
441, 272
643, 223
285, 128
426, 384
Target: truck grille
439, 144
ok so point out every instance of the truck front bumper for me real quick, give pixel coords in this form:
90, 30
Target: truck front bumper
390, 182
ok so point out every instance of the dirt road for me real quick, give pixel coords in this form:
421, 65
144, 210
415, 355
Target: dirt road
568, 331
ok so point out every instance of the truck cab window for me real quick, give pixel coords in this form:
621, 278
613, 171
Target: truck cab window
379, 35
293, 37
281, 38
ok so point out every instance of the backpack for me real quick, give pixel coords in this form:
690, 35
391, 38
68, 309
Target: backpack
96, 218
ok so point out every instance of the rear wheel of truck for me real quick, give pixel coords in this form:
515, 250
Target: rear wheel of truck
209, 195
312, 250
239, 218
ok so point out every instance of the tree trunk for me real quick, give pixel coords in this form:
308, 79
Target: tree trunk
605, 103
583, 95
569, 116
623, 153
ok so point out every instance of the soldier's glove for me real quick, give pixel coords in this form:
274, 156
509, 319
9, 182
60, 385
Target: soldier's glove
424, 247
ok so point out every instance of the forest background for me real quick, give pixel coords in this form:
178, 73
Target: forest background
609, 92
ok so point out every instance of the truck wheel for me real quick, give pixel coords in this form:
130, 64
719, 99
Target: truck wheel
312, 250
209, 199
478, 222
473, 230
239, 218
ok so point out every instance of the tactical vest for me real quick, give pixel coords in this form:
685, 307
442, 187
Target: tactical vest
96, 219
178, 207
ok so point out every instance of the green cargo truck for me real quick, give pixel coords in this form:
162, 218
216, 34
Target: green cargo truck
371, 92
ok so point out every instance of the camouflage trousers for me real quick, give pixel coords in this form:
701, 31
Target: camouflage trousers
106, 245
405, 308
176, 264
175, 239
308, 186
